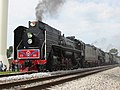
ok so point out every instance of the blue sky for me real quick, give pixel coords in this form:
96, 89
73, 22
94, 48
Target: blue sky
92, 21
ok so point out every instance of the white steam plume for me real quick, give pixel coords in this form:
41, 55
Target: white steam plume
50, 7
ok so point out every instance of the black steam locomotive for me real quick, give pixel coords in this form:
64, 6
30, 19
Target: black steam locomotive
41, 47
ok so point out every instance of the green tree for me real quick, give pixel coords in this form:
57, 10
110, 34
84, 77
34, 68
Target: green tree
9, 51
113, 51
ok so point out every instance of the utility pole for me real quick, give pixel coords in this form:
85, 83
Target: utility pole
3, 31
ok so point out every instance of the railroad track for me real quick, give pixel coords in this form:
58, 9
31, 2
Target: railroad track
46, 82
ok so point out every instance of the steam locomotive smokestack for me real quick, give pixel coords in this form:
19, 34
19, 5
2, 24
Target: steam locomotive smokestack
3, 31
49, 7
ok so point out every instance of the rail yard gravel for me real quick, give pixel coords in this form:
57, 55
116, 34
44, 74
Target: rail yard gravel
106, 80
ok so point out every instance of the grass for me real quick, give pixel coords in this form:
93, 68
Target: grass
7, 72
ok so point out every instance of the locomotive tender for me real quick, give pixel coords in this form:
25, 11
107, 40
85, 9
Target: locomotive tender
41, 47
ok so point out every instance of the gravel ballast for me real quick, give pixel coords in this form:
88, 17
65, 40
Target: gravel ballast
106, 80
23, 77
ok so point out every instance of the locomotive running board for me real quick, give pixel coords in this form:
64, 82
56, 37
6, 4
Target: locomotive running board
65, 48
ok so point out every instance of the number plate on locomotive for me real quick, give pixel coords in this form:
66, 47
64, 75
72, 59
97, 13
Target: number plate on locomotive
28, 54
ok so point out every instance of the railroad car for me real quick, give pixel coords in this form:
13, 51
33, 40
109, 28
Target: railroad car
91, 58
118, 59
107, 58
115, 59
101, 56
41, 47
110, 58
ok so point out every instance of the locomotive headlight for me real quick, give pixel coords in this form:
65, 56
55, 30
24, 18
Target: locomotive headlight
29, 41
29, 35
32, 24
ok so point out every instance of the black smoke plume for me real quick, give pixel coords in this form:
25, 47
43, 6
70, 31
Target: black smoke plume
49, 7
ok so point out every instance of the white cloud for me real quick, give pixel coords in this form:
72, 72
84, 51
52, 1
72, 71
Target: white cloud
90, 22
